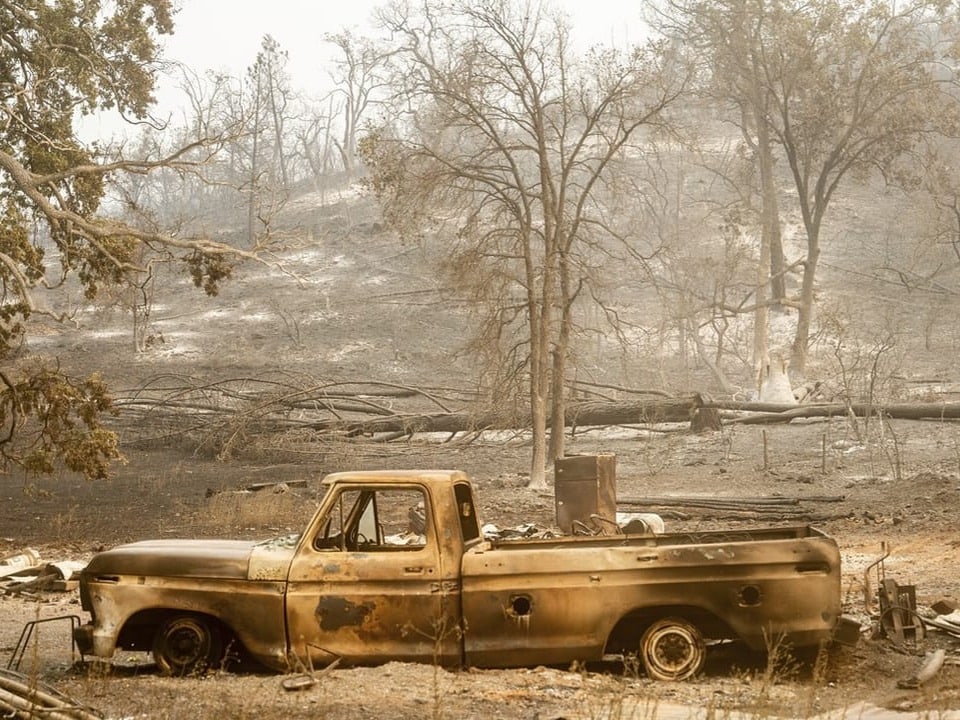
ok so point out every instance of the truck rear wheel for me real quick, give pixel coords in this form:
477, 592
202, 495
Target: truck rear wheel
672, 649
185, 644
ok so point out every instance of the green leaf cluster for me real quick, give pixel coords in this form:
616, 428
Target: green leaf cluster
61, 60
51, 419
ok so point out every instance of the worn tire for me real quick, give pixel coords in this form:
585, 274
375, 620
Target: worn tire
186, 644
672, 649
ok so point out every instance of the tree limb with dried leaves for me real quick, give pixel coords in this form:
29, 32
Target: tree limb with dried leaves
60, 61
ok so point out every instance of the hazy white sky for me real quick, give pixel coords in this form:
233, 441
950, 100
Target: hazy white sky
226, 34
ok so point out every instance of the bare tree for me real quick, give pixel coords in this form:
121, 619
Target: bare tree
841, 88
728, 38
359, 77
500, 145
270, 99
854, 90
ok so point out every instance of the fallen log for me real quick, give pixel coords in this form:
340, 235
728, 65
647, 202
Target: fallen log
226, 413
577, 414
735, 508
712, 502
584, 414
778, 412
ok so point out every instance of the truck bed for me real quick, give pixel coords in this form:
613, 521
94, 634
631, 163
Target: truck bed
709, 537
580, 597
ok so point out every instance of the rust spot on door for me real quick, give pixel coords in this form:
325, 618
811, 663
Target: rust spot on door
334, 613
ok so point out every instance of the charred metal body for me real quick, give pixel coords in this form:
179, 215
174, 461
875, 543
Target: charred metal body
366, 584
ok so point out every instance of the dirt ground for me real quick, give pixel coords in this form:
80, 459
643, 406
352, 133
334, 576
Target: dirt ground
369, 310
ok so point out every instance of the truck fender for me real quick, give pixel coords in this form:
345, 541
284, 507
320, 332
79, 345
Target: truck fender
140, 630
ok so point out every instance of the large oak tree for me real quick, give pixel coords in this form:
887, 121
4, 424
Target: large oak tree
502, 144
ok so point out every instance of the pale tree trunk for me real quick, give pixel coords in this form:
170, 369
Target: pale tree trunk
770, 280
538, 460
801, 341
348, 149
539, 368
762, 313
540, 308
552, 271
760, 105
278, 137
556, 448
771, 216
254, 169
560, 355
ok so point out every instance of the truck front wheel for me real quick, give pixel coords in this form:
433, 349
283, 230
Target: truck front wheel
185, 644
672, 649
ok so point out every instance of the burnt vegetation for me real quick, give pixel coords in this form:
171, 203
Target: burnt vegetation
565, 237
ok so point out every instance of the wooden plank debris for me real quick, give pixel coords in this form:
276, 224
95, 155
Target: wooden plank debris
746, 508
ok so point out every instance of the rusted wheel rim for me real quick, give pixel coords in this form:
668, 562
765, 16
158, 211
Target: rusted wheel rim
672, 649
185, 644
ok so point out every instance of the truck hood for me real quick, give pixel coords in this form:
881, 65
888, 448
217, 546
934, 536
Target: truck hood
232, 559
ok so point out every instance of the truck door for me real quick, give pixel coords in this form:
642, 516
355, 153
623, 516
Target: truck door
368, 583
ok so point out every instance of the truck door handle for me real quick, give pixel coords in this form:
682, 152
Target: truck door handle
413, 570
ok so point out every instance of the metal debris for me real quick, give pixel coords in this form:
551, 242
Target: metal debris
524, 530
306, 680
899, 620
628, 523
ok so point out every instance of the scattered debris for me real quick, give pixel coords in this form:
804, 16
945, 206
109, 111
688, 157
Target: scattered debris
626, 524
868, 598
274, 487
27, 634
641, 523
524, 530
944, 607
13, 564
847, 631
305, 681
949, 623
60, 576
931, 666
899, 620
25, 573
26, 697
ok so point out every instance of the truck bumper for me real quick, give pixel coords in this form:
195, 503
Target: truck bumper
89, 642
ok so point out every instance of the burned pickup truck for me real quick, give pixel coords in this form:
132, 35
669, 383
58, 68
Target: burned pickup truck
393, 566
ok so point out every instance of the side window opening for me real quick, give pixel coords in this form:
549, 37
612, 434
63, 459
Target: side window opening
334, 533
385, 519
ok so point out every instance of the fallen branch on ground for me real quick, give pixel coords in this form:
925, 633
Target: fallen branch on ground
777, 413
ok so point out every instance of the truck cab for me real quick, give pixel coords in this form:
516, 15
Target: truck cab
378, 569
